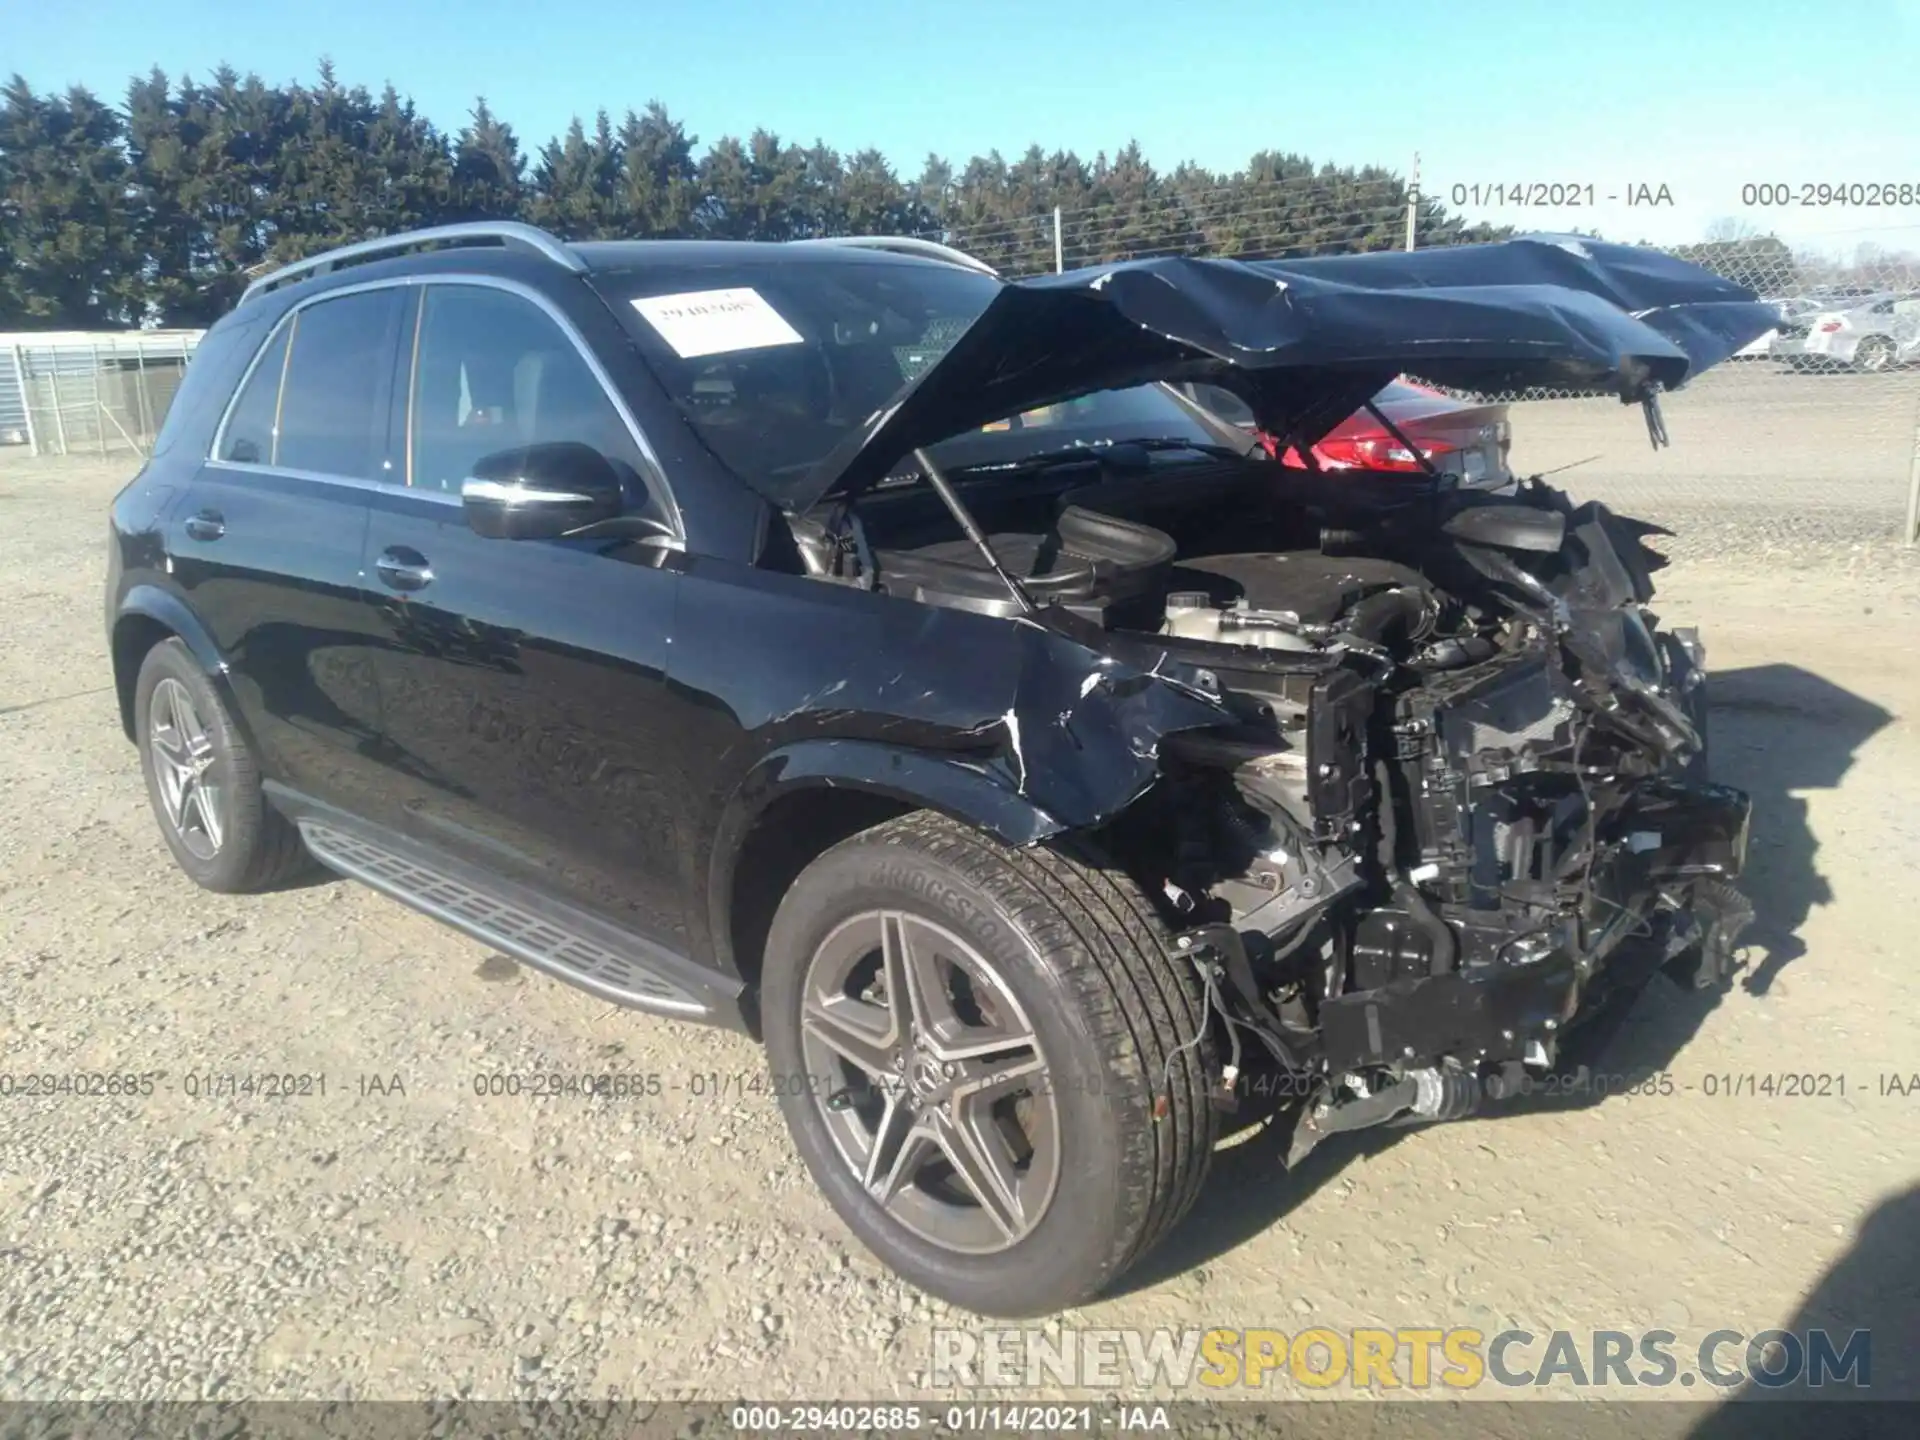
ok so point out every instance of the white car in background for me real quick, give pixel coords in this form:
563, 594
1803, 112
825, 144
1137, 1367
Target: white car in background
1762, 347
1870, 333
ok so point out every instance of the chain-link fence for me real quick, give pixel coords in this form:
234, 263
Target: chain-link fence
1815, 426
85, 393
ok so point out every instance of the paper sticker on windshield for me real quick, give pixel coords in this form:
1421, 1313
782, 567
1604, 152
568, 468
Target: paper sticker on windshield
713, 322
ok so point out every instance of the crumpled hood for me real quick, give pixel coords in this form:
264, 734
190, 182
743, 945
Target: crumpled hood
1306, 342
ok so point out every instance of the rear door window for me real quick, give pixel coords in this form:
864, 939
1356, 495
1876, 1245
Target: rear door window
333, 412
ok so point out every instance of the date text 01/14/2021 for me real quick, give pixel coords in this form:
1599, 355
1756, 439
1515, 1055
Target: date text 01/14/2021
1548, 194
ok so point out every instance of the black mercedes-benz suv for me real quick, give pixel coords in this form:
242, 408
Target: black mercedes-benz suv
836, 641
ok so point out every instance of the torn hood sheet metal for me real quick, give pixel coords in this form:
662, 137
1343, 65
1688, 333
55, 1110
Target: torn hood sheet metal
1306, 342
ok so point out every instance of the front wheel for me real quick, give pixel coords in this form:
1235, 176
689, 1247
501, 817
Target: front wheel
990, 1061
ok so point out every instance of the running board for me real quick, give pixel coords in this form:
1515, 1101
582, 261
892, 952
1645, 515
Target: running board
579, 950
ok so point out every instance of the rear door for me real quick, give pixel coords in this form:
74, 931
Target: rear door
267, 543
523, 687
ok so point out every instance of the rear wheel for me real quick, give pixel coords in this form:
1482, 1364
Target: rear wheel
204, 783
989, 1061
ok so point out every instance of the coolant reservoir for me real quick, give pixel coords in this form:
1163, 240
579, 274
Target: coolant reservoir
1192, 615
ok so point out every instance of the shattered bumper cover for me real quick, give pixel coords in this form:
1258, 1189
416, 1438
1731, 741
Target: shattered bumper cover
1492, 1012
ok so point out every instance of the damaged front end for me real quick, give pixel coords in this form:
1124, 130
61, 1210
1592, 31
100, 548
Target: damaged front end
1461, 813
1444, 802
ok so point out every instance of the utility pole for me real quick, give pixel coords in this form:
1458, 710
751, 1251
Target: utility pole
1413, 199
1059, 251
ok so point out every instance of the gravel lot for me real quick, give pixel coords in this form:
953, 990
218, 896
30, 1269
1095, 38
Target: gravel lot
1805, 469
400, 1236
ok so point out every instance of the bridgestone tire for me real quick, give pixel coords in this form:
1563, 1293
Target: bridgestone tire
1089, 962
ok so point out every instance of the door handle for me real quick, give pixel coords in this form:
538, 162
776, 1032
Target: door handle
402, 569
207, 525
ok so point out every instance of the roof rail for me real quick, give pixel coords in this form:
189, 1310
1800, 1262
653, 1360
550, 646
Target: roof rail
506, 232
906, 245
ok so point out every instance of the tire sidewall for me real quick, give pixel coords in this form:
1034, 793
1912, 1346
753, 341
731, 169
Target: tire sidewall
171, 660
1072, 1250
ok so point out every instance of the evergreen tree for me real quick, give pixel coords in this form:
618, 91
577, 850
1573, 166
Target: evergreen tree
408, 167
930, 198
489, 173
658, 194
157, 212
69, 251
575, 183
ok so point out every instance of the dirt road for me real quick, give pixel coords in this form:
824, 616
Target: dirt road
401, 1235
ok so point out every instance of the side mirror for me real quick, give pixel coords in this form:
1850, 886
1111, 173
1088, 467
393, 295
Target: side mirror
540, 492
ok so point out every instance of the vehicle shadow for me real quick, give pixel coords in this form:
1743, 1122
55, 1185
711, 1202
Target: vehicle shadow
1776, 731
1874, 1287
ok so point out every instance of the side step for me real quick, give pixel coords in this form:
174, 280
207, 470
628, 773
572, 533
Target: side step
579, 950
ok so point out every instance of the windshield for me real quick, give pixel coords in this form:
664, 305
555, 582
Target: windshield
776, 363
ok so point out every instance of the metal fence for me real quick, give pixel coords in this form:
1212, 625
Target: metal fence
89, 393
1818, 420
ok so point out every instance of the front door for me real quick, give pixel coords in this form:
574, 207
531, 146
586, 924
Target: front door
523, 687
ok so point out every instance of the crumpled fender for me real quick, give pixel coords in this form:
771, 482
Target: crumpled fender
1068, 744
1076, 742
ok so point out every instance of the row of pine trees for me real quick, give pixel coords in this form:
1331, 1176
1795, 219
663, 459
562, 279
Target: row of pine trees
153, 211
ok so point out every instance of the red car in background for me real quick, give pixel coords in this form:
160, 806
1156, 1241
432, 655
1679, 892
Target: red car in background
1457, 436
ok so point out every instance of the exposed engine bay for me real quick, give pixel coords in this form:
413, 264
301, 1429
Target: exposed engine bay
1414, 769
1456, 809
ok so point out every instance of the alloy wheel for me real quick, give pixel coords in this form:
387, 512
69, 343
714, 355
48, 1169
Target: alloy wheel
931, 1080
183, 759
1874, 356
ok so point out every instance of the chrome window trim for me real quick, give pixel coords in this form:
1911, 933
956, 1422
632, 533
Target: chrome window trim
345, 482
653, 473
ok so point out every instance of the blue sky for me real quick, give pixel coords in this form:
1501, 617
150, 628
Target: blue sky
1699, 95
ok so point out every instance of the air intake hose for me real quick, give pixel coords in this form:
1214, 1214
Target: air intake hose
1399, 613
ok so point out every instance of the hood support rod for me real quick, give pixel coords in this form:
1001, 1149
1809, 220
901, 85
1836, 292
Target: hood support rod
974, 533
1411, 448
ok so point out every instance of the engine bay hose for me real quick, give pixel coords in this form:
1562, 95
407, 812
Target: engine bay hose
1402, 613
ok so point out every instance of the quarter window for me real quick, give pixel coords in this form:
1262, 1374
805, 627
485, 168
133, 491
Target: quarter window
492, 372
255, 420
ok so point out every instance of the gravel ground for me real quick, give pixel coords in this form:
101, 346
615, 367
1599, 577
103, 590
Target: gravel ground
1801, 470
400, 1236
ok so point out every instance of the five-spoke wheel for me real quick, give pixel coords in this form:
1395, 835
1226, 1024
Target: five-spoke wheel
191, 799
939, 1099
991, 1060
203, 779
